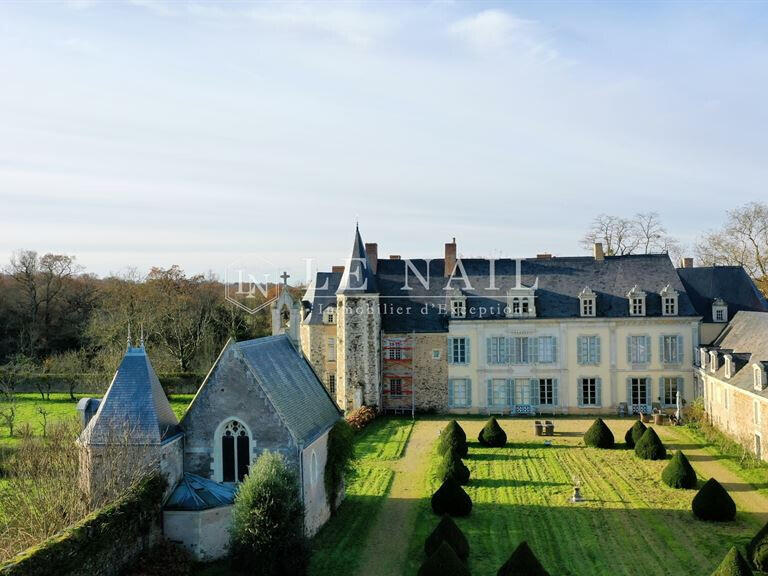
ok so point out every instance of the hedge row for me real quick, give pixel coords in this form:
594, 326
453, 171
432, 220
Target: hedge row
172, 382
103, 542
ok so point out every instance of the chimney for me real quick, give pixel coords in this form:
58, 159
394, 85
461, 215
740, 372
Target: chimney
394, 256
337, 269
545, 256
599, 254
450, 258
687, 262
372, 251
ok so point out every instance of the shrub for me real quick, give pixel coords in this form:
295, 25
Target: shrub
633, 435
757, 550
361, 417
599, 435
452, 467
443, 562
268, 520
523, 562
341, 449
447, 531
451, 499
492, 434
679, 473
713, 503
650, 447
733, 565
453, 439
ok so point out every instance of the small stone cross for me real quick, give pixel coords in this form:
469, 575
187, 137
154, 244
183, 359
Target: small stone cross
285, 277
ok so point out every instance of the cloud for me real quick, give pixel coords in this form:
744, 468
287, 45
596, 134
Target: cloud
492, 31
79, 45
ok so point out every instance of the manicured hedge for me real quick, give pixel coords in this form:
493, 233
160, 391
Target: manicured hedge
650, 447
634, 434
492, 434
451, 499
101, 538
523, 562
453, 439
599, 435
733, 565
444, 562
447, 531
757, 550
679, 473
713, 503
450, 466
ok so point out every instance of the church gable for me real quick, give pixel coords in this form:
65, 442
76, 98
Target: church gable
231, 421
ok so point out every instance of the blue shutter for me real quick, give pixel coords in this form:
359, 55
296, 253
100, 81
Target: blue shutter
580, 349
680, 350
579, 393
597, 351
648, 349
450, 351
648, 386
489, 396
511, 392
450, 392
554, 349
503, 350
662, 355
533, 392
680, 384
489, 350
629, 349
629, 391
467, 348
661, 390
598, 391
533, 350
469, 392
555, 386
515, 355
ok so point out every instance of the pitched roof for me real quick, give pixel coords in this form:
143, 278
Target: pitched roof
135, 408
746, 339
358, 277
197, 493
321, 294
730, 283
289, 382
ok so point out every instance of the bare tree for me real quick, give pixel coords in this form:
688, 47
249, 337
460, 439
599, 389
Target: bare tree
742, 241
616, 234
9, 377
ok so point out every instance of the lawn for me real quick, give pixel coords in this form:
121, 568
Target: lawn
630, 524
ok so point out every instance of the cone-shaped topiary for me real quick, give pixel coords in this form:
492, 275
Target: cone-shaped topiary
599, 435
713, 503
523, 562
492, 434
451, 499
453, 439
679, 473
444, 562
757, 550
650, 447
634, 434
447, 531
452, 467
733, 565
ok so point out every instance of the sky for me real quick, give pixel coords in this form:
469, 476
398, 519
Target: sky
144, 134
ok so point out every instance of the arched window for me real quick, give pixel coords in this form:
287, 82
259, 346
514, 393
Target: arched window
313, 471
235, 445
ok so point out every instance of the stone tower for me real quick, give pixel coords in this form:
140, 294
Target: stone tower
358, 332
286, 314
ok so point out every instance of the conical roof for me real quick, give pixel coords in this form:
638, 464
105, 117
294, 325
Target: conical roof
358, 277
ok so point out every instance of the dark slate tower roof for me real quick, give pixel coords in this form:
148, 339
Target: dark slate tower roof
732, 284
135, 408
358, 277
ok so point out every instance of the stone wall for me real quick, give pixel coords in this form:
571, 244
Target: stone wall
358, 350
204, 533
314, 345
316, 509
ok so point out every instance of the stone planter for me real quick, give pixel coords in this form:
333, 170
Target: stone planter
658, 419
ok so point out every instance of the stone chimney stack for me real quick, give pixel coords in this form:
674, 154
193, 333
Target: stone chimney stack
372, 251
599, 254
337, 269
687, 262
450, 258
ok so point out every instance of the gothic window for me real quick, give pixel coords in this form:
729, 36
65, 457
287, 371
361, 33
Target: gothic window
235, 452
313, 469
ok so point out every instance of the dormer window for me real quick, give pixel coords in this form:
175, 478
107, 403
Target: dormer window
719, 310
728, 365
521, 301
759, 375
588, 303
669, 301
714, 361
458, 308
329, 316
636, 299
703, 355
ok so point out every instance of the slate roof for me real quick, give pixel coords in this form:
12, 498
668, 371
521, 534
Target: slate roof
134, 408
746, 338
560, 280
287, 379
197, 493
358, 277
730, 283
321, 294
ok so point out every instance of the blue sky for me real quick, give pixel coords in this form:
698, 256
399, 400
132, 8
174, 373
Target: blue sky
151, 133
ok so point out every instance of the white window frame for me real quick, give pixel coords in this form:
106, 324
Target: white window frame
587, 355
636, 299
670, 343
459, 354
391, 383
590, 399
463, 384
332, 384
635, 347
670, 382
587, 303
395, 350
329, 315
547, 354
547, 386
458, 308
519, 347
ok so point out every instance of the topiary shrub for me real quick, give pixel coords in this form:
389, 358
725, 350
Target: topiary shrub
452, 467
633, 435
650, 447
599, 435
453, 439
451, 499
679, 473
268, 520
757, 550
523, 562
444, 562
492, 434
447, 531
713, 503
733, 565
